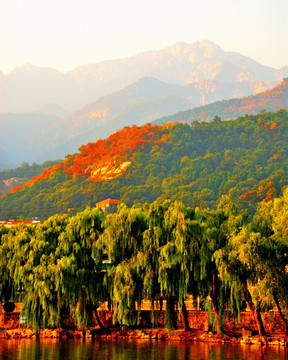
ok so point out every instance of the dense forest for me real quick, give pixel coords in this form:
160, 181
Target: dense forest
68, 265
244, 158
270, 100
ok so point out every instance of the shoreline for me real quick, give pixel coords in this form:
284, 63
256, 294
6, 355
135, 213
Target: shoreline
156, 334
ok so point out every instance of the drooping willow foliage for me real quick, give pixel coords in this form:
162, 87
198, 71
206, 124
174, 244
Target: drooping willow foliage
161, 252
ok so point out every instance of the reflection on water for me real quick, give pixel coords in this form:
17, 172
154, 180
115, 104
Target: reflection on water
48, 349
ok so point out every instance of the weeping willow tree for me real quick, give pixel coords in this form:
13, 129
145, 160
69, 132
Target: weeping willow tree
169, 270
270, 254
80, 278
177, 259
8, 291
209, 284
238, 267
279, 213
188, 236
54, 264
34, 266
218, 225
261, 253
120, 244
148, 259
123, 233
127, 291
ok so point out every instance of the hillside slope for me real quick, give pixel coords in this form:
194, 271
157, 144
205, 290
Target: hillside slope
44, 136
245, 159
140, 103
270, 100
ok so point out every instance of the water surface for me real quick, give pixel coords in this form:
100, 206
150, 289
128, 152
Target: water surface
50, 349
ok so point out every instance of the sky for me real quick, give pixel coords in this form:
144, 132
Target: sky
64, 34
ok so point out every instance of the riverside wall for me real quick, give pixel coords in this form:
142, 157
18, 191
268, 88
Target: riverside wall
198, 320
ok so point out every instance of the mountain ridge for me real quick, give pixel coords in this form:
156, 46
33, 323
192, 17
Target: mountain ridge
143, 101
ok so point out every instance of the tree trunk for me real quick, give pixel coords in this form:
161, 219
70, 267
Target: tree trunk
280, 312
215, 304
152, 314
99, 321
170, 315
216, 314
259, 322
185, 318
257, 314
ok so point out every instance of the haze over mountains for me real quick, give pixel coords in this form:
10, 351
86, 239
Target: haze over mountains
29, 86
134, 90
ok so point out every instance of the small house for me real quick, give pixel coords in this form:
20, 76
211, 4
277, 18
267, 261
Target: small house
108, 206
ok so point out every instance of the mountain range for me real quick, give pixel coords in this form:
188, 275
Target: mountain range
123, 92
29, 87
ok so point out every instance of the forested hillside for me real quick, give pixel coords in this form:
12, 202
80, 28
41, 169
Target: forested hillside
245, 158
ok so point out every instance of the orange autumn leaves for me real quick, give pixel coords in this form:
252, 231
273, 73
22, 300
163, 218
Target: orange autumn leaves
268, 128
265, 193
117, 150
118, 147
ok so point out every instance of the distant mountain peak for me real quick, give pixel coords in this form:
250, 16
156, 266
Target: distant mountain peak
30, 68
207, 43
206, 48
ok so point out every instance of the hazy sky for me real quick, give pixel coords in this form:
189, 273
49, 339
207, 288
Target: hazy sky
67, 33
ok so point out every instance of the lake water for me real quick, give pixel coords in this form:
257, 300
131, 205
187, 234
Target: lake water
26, 349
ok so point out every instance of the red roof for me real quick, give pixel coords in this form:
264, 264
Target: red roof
107, 201
12, 222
